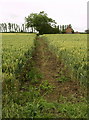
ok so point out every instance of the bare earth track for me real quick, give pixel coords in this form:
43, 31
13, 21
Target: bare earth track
52, 68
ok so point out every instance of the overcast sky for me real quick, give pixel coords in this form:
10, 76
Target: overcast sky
65, 12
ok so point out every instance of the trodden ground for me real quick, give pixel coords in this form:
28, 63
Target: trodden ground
54, 72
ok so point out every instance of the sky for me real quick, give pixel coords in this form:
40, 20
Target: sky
88, 15
64, 12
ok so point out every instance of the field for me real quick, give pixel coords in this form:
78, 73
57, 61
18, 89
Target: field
44, 76
17, 48
72, 49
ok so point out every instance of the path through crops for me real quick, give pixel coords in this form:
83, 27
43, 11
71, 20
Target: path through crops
52, 69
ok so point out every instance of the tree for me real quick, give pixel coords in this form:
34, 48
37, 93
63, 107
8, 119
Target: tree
40, 22
87, 31
65, 26
63, 29
9, 27
23, 27
0, 28
70, 25
12, 25
5, 27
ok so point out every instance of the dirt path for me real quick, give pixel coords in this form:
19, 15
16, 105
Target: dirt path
52, 70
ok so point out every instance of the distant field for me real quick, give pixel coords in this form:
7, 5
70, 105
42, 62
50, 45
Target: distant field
72, 49
15, 34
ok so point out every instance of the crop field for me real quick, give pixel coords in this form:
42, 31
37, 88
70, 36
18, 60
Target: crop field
72, 49
17, 48
35, 81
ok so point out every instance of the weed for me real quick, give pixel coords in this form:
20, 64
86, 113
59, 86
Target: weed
63, 79
46, 86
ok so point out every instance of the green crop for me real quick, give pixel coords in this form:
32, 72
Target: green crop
23, 98
72, 49
17, 49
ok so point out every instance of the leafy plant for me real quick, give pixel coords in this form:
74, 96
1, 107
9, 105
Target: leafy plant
72, 49
46, 86
63, 79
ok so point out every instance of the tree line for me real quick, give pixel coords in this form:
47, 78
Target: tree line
35, 22
12, 27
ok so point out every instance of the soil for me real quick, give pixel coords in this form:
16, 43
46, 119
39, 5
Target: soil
52, 69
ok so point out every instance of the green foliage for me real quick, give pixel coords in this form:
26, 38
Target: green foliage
27, 105
17, 49
77, 110
42, 23
46, 86
28, 102
34, 75
72, 50
63, 79
87, 31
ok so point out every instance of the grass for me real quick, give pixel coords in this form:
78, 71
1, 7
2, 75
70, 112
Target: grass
46, 86
63, 79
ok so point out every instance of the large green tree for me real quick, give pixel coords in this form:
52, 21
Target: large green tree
41, 22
